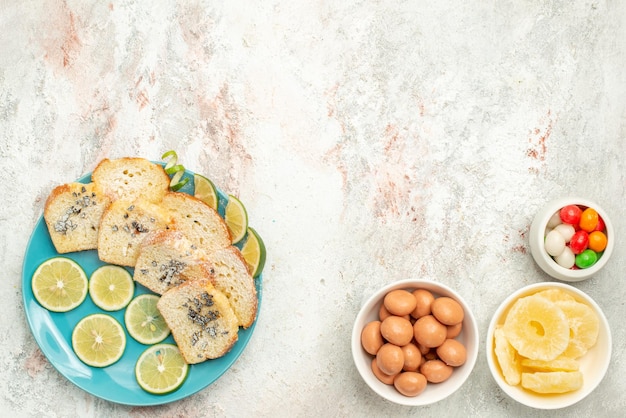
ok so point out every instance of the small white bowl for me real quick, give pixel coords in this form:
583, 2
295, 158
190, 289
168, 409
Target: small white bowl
434, 392
547, 263
593, 365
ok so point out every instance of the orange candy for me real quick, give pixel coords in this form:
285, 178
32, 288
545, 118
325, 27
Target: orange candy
588, 220
597, 241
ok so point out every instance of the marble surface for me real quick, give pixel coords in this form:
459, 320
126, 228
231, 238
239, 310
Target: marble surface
371, 141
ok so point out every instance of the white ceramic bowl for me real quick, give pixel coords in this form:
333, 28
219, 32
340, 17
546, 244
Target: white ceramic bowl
433, 392
593, 364
543, 259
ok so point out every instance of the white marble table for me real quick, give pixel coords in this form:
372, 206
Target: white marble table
371, 142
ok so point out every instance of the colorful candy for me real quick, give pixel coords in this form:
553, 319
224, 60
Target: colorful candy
588, 220
575, 237
579, 241
570, 214
597, 241
586, 259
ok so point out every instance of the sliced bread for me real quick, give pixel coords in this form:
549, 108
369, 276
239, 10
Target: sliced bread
129, 178
229, 274
72, 214
201, 320
200, 223
167, 259
123, 227
163, 256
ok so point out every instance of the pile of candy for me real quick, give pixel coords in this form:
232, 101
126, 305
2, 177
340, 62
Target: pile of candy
575, 237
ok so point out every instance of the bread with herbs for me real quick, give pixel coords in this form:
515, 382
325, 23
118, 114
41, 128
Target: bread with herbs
72, 215
124, 225
163, 256
201, 320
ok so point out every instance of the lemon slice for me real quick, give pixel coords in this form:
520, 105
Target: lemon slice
253, 252
161, 369
59, 284
144, 321
236, 219
111, 287
205, 190
98, 340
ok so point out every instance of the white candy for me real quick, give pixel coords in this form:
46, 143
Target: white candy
566, 258
566, 230
554, 220
554, 243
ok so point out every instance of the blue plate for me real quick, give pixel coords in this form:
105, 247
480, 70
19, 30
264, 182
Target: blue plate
115, 383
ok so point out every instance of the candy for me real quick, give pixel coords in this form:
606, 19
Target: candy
567, 231
579, 241
566, 259
597, 241
601, 225
575, 237
588, 220
586, 259
554, 220
570, 214
554, 243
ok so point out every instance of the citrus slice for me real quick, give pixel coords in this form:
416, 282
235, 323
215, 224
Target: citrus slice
205, 190
144, 321
161, 369
552, 382
98, 340
111, 287
59, 284
236, 219
537, 328
253, 252
507, 358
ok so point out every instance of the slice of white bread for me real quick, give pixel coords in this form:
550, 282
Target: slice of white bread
72, 214
229, 274
200, 223
123, 227
167, 259
129, 178
201, 320
163, 256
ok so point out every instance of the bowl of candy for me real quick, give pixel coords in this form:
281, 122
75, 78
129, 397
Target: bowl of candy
548, 345
571, 239
415, 342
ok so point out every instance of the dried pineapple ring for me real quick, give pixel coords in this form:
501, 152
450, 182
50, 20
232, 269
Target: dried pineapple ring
584, 327
559, 364
507, 358
555, 295
537, 328
552, 382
